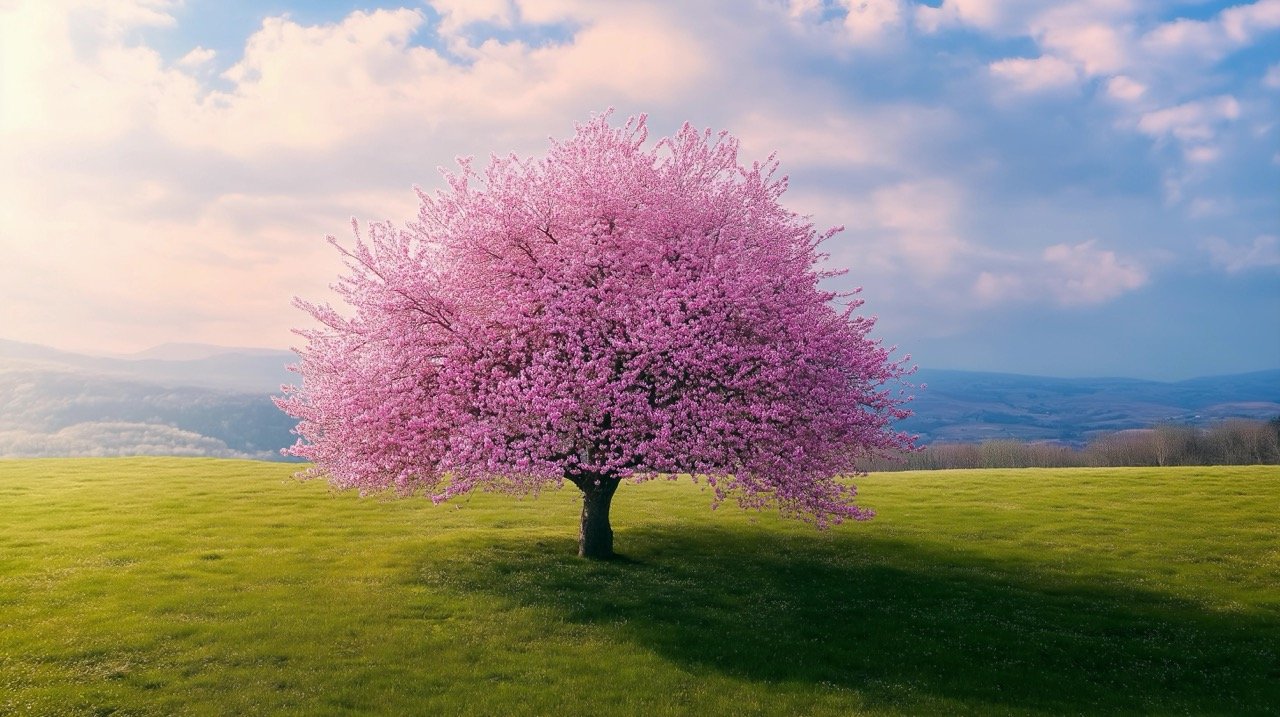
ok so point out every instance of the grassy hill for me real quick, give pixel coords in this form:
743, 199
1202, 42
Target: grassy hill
194, 586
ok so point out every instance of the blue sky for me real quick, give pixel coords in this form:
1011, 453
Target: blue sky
1067, 188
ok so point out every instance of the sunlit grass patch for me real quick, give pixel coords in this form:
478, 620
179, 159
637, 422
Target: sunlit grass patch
178, 586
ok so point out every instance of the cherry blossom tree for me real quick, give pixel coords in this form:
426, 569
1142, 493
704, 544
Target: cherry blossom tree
609, 312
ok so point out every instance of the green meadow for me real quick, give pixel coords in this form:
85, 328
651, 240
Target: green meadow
155, 586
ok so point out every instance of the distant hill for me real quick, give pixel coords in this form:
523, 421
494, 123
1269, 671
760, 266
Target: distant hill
197, 352
195, 399
222, 368
213, 403
966, 406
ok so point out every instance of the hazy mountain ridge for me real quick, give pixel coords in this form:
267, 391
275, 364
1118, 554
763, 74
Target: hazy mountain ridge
966, 406
197, 352
57, 403
223, 368
215, 401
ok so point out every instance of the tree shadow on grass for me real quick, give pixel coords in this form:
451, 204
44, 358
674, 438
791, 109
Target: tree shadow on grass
892, 619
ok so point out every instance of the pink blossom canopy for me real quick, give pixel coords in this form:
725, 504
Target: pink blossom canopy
610, 310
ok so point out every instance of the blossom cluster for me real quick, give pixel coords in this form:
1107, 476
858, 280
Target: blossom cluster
611, 310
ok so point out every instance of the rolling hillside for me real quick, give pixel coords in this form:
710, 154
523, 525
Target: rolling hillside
214, 403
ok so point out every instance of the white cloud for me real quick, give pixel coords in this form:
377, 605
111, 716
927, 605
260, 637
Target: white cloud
1210, 39
311, 87
1186, 36
1066, 274
1202, 154
1272, 78
62, 81
904, 238
838, 137
1201, 207
804, 10
1262, 252
1243, 23
1089, 274
865, 25
1036, 74
115, 18
170, 210
1160, 75
553, 11
1125, 88
1099, 48
1155, 75
1195, 121
1086, 274
868, 21
197, 58
988, 15
994, 287
457, 14
920, 219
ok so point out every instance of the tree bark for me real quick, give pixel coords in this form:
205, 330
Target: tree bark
595, 537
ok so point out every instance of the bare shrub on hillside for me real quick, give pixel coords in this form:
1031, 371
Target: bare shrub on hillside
1123, 448
1233, 442
1240, 442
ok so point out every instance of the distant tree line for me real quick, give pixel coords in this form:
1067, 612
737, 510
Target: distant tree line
1234, 442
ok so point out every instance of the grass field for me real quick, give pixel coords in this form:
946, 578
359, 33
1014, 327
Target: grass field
187, 586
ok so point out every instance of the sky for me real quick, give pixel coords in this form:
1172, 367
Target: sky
1086, 188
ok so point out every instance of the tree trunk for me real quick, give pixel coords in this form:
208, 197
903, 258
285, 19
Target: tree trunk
595, 538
